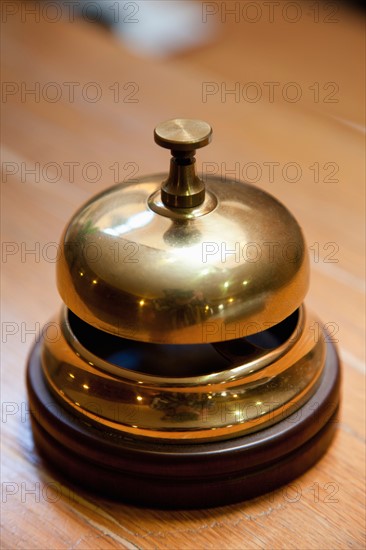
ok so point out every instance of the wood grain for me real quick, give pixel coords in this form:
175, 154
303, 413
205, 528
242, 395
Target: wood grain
325, 507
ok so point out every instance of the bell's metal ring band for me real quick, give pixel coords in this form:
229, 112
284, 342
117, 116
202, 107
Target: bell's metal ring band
240, 399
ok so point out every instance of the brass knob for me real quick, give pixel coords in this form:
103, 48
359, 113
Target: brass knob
183, 188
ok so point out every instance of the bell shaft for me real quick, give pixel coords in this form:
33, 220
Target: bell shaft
183, 188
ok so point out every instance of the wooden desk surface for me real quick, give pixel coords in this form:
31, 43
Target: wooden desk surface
304, 143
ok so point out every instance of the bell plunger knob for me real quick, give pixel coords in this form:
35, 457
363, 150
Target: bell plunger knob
183, 188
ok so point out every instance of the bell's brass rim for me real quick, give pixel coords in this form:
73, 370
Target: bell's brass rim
214, 379
213, 407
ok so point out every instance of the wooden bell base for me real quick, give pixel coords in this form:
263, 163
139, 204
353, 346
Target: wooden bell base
183, 475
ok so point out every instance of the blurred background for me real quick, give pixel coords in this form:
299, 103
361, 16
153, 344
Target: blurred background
283, 86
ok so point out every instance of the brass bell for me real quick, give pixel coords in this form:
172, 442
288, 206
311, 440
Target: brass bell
188, 371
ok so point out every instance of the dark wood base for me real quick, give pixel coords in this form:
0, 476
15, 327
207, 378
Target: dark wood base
177, 475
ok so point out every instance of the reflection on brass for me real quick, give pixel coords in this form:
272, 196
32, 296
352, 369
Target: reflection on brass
218, 405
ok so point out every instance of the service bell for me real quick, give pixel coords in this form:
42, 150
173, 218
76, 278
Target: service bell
188, 371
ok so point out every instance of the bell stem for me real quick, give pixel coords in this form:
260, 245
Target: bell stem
183, 188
